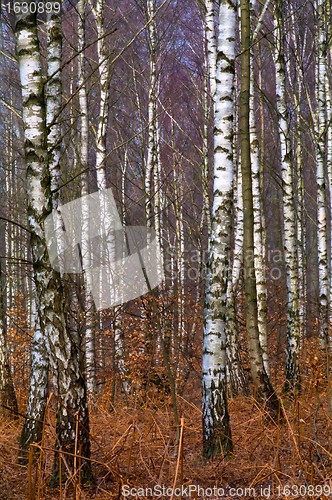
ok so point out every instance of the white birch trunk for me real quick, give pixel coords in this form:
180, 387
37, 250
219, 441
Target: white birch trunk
101, 156
211, 44
216, 429
321, 131
119, 339
7, 392
53, 102
159, 203
64, 353
300, 221
298, 94
259, 250
329, 161
236, 377
206, 214
151, 161
301, 236
104, 76
38, 387
9, 235
89, 309
179, 232
289, 226
39, 353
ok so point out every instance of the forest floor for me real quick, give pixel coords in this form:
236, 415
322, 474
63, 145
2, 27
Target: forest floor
133, 447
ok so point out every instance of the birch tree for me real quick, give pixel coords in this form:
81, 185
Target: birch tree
259, 229
206, 215
8, 399
72, 413
89, 308
180, 242
292, 374
236, 377
329, 139
298, 93
210, 56
33, 426
104, 70
265, 393
104, 75
53, 92
151, 161
32, 430
321, 132
211, 45
217, 436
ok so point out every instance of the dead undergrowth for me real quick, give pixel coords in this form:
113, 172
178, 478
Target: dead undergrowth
133, 445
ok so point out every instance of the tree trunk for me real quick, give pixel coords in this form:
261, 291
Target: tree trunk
265, 393
321, 132
298, 94
259, 229
32, 430
72, 411
8, 399
329, 151
151, 161
217, 438
293, 380
211, 45
89, 307
237, 381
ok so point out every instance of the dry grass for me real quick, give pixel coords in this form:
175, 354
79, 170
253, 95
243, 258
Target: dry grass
134, 445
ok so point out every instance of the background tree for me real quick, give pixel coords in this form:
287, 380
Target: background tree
264, 390
321, 134
7, 392
289, 238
